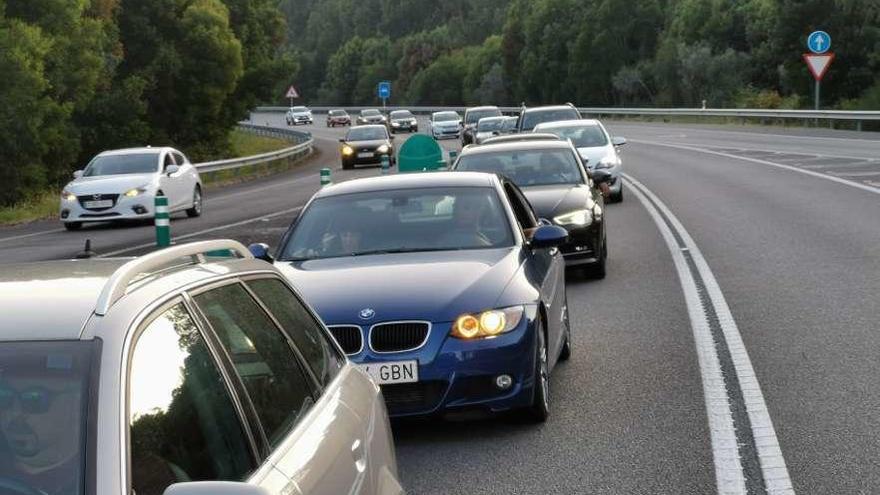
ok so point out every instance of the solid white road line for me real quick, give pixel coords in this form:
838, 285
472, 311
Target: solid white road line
729, 472
204, 231
838, 180
34, 234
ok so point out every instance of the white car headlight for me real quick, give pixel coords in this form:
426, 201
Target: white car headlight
580, 218
137, 191
67, 195
487, 324
382, 149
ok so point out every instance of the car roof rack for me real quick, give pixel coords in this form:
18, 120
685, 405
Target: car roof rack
156, 261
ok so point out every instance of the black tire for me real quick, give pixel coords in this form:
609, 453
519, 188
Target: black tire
539, 411
617, 198
565, 353
73, 225
597, 269
196, 210
347, 166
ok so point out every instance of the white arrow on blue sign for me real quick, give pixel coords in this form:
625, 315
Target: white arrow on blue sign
384, 90
819, 42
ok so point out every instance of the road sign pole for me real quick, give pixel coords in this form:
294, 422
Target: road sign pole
817, 95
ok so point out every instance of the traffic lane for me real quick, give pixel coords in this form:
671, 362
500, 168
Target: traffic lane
223, 206
797, 259
813, 142
628, 411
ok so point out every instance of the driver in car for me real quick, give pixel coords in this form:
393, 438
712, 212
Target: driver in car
465, 228
40, 425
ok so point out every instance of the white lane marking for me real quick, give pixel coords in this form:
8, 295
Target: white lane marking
204, 231
845, 182
34, 234
869, 173
728, 468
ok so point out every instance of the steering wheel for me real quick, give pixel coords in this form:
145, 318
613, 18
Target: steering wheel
12, 486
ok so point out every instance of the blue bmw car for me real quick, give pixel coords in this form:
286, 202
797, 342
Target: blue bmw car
445, 287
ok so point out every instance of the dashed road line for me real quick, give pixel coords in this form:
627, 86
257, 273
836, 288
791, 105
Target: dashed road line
34, 234
746, 452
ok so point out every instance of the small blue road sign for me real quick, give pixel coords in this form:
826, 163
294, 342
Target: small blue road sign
384, 90
819, 42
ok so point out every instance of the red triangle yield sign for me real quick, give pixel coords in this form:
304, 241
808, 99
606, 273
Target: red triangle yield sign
818, 64
291, 93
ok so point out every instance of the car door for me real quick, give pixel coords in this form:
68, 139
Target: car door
548, 268
185, 420
169, 183
311, 436
189, 176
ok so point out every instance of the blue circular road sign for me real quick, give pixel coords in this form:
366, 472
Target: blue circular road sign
819, 42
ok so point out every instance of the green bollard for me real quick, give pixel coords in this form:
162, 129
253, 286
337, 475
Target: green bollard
163, 222
452, 155
386, 165
325, 177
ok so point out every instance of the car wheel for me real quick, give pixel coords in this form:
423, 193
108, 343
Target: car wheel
73, 225
597, 269
347, 166
617, 198
196, 210
565, 353
540, 408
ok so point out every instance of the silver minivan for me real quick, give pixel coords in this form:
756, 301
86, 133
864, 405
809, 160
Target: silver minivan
193, 370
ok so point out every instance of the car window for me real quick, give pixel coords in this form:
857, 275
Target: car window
169, 160
278, 387
182, 422
299, 109
527, 167
179, 158
446, 117
366, 134
306, 332
401, 220
370, 113
401, 114
535, 117
131, 163
582, 136
523, 211
474, 116
490, 124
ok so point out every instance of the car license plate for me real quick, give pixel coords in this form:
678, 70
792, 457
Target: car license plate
393, 372
365, 155
104, 203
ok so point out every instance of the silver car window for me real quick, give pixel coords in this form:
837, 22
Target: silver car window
183, 425
132, 163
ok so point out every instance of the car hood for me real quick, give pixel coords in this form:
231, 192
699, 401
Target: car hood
109, 184
367, 144
375, 118
593, 154
407, 120
550, 201
451, 123
395, 287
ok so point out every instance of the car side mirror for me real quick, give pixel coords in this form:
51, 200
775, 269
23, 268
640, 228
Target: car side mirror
171, 170
215, 488
77, 174
618, 141
600, 175
342, 140
392, 137
547, 236
260, 250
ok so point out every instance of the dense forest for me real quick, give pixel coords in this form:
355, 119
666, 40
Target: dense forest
79, 76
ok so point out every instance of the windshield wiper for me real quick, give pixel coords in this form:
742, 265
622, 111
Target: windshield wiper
404, 250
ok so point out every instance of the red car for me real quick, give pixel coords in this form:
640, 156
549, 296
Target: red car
338, 117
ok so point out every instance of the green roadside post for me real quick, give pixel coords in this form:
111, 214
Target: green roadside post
163, 221
386, 165
325, 177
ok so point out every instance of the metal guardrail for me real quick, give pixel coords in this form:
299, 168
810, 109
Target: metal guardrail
858, 115
303, 147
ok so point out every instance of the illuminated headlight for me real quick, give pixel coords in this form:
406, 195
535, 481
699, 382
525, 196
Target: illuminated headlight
486, 324
579, 217
347, 150
137, 191
382, 149
67, 195
395, 124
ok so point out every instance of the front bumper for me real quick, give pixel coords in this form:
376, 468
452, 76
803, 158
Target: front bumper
405, 127
124, 208
354, 159
457, 375
582, 244
446, 133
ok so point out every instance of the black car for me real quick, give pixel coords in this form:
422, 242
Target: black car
371, 116
559, 187
471, 117
366, 144
530, 117
403, 120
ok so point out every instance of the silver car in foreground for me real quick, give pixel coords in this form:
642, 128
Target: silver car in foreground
123, 184
595, 146
194, 370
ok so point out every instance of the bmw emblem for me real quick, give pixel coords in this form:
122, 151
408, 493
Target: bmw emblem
367, 313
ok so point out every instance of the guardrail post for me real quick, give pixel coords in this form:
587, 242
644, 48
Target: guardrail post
859, 125
325, 177
452, 155
163, 221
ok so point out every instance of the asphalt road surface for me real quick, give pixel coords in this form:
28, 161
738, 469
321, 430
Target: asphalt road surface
768, 237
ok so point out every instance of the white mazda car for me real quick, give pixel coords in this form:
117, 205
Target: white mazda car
123, 184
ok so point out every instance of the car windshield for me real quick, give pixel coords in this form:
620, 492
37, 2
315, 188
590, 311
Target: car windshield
490, 124
587, 136
337, 113
535, 117
509, 124
530, 167
134, 163
370, 113
299, 109
474, 116
400, 220
366, 134
43, 415
401, 114
446, 117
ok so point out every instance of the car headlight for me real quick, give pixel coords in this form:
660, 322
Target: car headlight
486, 324
67, 195
396, 124
347, 150
382, 149
137, 191
578, 217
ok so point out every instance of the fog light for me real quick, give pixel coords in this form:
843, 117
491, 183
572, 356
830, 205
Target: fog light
503, 381
65, 213
138, 209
